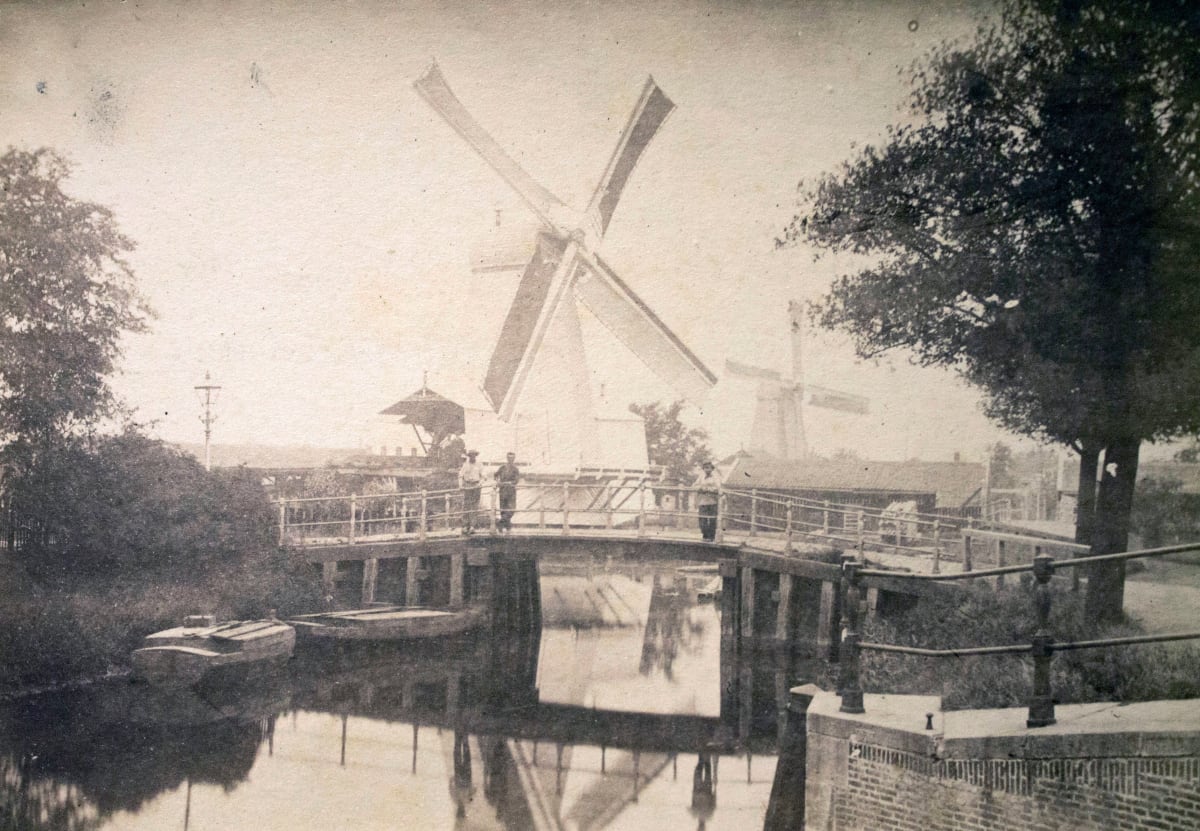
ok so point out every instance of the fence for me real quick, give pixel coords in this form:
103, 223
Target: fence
1041, 648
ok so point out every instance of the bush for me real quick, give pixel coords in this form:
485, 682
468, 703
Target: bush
981, 616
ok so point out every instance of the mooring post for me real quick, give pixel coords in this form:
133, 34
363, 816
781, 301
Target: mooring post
424, 514
966, 540
1041, 703
566, 498
850, 682
353, 510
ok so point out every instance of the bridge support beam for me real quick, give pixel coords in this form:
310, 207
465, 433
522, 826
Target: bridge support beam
783, 616
412, 581
329, 573
828, 620
747, 615
370, 578
456, 580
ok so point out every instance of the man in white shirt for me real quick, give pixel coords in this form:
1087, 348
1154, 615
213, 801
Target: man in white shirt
470, 479
708, 495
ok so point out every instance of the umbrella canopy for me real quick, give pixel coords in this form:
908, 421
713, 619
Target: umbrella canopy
435, 414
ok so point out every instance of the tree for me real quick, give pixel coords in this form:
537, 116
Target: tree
670, 443
67, 296
1036, 231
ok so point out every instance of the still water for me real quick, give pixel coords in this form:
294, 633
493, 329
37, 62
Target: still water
624, 713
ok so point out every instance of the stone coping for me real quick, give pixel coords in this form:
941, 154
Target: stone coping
1154, 729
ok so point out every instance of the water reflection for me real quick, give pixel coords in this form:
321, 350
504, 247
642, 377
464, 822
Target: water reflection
626, 712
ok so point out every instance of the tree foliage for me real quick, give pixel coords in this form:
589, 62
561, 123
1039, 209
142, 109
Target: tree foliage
1037, 228
678, 448
67, 296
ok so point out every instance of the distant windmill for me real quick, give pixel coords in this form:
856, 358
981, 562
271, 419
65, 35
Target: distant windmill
543, 324
779, 410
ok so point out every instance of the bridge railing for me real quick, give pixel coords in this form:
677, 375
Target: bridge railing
638, 506
1042, 646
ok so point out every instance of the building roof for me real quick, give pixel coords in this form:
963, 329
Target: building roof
953, 483
1187, 474
273, 457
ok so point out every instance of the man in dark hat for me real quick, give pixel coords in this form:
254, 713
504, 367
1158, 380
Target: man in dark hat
708, 496
470, 479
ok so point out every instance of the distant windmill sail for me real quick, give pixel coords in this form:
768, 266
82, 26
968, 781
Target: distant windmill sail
833, 400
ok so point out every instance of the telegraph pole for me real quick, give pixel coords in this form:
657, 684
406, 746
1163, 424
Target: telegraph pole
208, 389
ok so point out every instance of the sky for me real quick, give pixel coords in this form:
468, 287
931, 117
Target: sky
304, 221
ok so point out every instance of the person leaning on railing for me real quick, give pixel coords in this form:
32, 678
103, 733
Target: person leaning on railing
708, 496
506, 477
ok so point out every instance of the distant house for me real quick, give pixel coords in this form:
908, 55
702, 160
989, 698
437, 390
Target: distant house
952, 488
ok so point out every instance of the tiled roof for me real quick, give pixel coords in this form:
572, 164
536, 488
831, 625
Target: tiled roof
954, 483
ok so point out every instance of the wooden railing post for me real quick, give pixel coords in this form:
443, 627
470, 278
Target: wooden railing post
608, 497
495, 504
641, 520
446, 509
862, 531
1001, 562
753, 510
1041, 703
282, 520
424, 514
353, 511
721, 508
541, 506
825, 518
787, 528
937, 546
566, 498
850, 681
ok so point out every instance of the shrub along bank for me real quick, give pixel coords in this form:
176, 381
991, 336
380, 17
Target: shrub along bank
983, 616
123, 538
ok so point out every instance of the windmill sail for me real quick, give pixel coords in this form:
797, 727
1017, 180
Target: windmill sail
433, 88
647, 117
625, 315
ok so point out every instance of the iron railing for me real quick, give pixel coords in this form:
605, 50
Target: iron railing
1042, 645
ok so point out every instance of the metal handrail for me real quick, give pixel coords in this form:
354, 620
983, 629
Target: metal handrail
1042, 647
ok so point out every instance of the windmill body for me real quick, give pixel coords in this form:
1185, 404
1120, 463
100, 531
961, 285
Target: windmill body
778, 427
538, 381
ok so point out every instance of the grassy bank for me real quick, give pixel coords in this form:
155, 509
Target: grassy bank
983, 616
64, 630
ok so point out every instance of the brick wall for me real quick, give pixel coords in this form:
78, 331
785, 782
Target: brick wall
887, 788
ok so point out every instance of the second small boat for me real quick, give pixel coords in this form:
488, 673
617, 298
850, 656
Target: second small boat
185, 654
389, 623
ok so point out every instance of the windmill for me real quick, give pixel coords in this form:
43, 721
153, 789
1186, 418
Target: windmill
541, 332
778, 426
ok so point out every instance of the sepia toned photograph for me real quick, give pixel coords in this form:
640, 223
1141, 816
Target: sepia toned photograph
570, 415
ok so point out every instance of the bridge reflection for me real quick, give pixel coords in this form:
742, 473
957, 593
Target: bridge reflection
518, 742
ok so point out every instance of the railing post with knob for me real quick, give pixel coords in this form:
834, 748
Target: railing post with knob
1041, 703
353, 510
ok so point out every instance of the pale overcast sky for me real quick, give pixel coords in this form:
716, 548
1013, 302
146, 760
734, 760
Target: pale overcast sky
304, 220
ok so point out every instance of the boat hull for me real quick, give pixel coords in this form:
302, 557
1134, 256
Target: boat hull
187, 655
389, 623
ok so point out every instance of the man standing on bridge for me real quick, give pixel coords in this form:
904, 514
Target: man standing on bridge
708, 495
470, 480
506, 478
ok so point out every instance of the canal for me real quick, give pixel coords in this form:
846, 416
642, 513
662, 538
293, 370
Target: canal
626, 711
